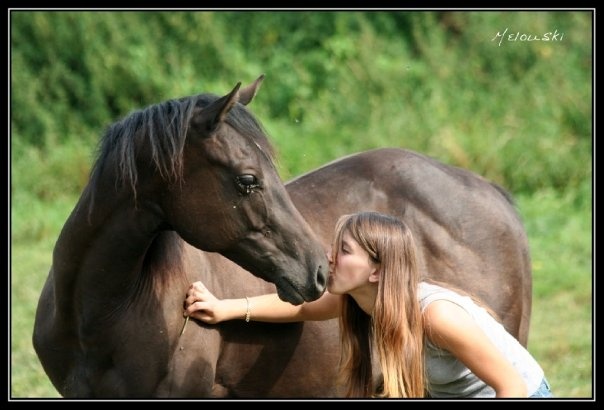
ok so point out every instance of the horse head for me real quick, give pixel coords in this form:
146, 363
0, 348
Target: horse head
231, 200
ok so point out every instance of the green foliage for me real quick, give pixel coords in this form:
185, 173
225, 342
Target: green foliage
561, 225
437, 82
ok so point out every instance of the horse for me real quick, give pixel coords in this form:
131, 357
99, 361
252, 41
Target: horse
109, 322
199, 170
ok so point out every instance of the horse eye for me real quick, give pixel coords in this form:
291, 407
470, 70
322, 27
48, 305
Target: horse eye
246, 179
247, 182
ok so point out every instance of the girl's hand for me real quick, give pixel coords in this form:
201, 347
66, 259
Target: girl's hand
202, 305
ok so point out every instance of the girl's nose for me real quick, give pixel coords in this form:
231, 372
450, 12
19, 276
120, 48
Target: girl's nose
328, 253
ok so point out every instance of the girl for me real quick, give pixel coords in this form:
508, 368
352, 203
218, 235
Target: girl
430, 340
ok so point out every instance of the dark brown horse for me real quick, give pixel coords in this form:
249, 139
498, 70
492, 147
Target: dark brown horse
109, 318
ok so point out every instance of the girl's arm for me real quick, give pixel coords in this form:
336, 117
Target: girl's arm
201, 304
450, 327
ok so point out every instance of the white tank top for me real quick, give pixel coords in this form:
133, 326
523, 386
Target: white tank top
447, 377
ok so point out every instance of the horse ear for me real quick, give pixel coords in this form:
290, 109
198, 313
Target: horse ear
208, 119
248, 93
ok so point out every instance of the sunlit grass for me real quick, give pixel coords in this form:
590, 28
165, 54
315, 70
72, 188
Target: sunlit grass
561, 338
30, 263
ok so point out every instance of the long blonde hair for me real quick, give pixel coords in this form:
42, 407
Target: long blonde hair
395, 329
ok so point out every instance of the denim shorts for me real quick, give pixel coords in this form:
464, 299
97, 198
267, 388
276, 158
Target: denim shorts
543, 391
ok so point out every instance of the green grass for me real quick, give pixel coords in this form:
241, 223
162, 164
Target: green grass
30, 264
561, 338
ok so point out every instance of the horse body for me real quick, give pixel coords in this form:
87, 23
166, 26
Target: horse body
109, 319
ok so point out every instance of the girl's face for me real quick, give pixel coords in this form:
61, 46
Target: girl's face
352, 269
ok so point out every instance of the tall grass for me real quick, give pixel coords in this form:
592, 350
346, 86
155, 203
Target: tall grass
561, 338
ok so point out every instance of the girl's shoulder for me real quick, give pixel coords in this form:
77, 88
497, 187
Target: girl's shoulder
430, 292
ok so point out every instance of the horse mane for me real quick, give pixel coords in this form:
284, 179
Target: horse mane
162, 128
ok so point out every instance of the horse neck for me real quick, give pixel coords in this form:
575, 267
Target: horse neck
101, 250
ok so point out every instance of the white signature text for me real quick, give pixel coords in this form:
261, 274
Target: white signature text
523, 37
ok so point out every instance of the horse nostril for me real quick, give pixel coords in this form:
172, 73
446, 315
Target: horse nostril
321, 277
